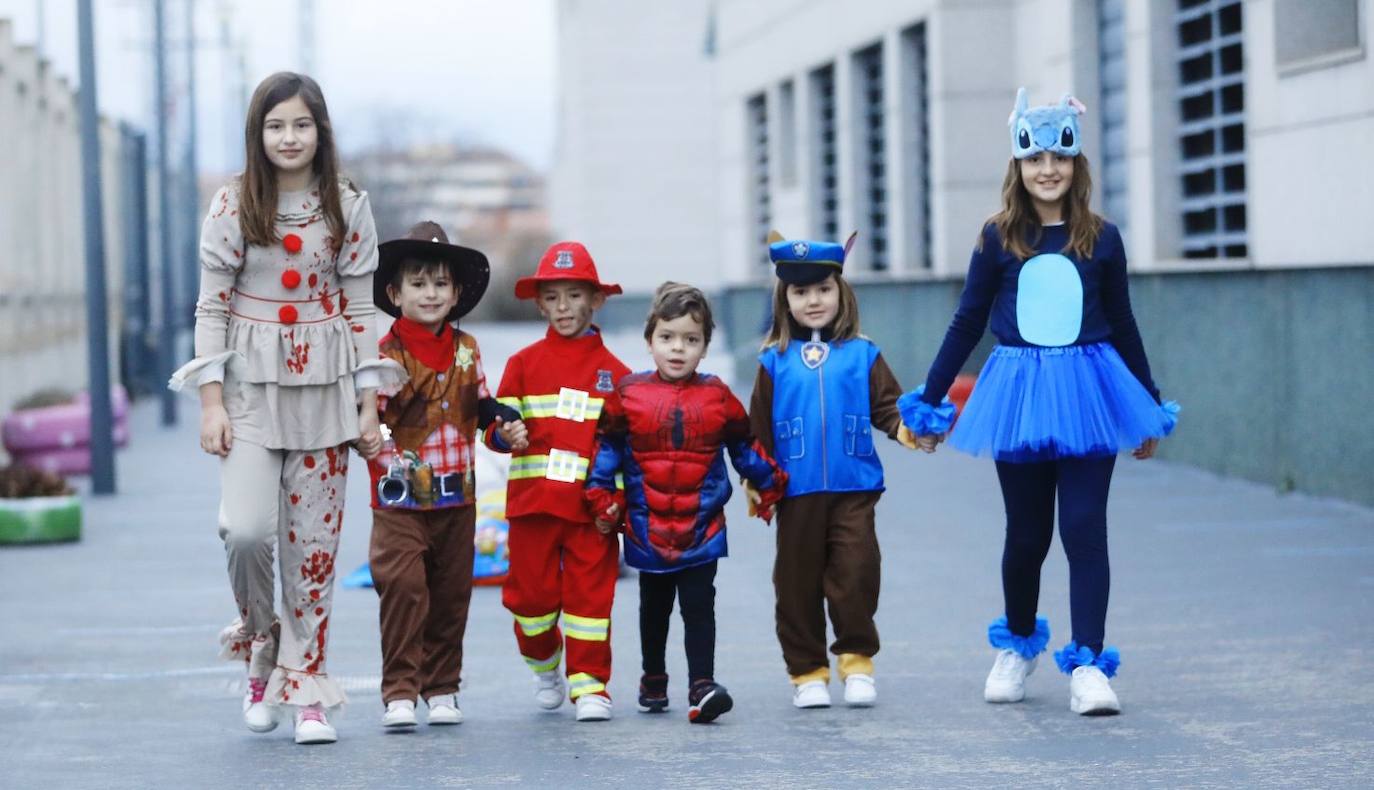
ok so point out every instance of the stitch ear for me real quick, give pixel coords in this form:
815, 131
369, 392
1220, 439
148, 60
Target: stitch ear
1020, 108
1078, 106
849, 243
774, 237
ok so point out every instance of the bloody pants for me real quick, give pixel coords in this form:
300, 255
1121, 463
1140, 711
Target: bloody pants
566, 568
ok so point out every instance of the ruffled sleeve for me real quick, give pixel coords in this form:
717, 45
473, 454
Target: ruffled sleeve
357, 261
922, 418
221, 258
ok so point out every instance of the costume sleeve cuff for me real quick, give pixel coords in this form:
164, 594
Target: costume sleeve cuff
202, 371
923, 419
382, 374
1171, 410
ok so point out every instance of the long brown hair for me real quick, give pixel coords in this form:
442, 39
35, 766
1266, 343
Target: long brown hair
1019, 226
844, 327
258, 183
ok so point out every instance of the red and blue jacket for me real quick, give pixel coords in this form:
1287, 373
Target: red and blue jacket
666, 439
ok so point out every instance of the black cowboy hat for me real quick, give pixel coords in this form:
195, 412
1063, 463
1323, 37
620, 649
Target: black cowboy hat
426, 241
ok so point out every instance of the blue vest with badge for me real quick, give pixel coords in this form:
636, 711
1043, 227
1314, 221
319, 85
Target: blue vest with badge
822, 430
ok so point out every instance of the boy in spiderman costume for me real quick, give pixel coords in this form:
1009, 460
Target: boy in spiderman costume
665, 433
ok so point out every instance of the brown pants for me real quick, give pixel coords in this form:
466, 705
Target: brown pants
827, 554
422, 568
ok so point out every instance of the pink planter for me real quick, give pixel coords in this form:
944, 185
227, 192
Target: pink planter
57, 438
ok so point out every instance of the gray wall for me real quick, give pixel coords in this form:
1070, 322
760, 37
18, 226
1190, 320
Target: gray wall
1274, 369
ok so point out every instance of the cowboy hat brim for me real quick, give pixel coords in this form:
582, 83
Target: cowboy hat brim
470, 269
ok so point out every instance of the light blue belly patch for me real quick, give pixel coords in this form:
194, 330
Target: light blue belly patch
1049, 301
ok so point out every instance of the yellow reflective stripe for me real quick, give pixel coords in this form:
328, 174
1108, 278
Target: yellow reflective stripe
582, 683
534, 626
545, 665
588, 629
544, 406
527, 466
514, 403
619, 481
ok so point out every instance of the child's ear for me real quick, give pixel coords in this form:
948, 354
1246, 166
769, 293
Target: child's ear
394, 294
598, 300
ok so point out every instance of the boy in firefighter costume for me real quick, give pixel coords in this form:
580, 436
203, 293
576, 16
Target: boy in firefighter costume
422, 483
665, 433
561, 565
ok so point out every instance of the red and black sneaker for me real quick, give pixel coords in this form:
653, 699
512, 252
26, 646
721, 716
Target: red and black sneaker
653, 693
708, 701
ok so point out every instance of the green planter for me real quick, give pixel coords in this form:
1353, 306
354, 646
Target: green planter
40, 519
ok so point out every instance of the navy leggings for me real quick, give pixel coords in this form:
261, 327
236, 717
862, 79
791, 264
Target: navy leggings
1028, 490
695, 591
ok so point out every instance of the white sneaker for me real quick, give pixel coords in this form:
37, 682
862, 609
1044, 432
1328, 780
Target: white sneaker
1007, 680
443, 709
400, 715
860, 691
550, 692
815, 694
593, 707
258, 715
313, 727
1090, 693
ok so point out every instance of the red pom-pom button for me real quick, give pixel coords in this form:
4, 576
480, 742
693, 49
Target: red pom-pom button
291, 279
292, 243
287, 314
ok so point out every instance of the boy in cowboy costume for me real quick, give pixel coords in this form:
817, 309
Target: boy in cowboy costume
423, 513
561, 564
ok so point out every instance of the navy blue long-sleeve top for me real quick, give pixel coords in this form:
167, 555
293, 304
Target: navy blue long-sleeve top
994, 279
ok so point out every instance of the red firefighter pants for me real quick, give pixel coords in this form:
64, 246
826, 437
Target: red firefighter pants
565, 568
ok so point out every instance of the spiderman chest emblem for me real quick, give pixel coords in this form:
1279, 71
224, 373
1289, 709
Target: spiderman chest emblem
679, 424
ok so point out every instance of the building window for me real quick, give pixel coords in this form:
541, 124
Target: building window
1314, 34
916, 141
871, 155
756, 110
787, 135
1111, 67
1211, 97
825, 218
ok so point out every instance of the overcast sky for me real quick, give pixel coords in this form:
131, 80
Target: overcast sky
404, 70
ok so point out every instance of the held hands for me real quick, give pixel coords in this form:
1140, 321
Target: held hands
216, 435
606, 523
925, 442
1145, 450
369, 442
756, 504
514, 434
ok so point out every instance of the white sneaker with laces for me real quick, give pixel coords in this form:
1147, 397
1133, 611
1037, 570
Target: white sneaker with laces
400, 715
1007, 680
860, 691
443, 709
313, 727
593, 707
815, 694
550, 691
1090, 693
258, 715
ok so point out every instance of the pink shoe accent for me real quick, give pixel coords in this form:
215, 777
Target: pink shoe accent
257, 687
313, 713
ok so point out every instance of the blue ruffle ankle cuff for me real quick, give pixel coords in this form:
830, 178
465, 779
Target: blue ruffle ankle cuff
1028, 647
1074, 655
1171, 410
923, 419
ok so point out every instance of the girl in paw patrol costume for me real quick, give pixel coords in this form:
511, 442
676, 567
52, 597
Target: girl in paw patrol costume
821, 391
1067, 387
286, 350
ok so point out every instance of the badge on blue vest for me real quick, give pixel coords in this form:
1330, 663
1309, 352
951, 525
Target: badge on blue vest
603, 381
814, 353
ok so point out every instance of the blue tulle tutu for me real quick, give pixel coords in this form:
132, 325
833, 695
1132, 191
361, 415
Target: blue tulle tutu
1034, 403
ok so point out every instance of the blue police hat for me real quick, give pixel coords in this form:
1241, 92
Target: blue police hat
801, 262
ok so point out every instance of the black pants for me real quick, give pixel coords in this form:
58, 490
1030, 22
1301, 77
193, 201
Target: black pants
1028, 490
696, 595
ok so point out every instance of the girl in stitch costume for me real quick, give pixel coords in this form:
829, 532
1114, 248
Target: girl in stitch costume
1066, 388
821, 389
287, 372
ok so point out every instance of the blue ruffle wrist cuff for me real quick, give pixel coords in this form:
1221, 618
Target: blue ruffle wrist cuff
1171, 410
1074, 655
1028, 647
923, 419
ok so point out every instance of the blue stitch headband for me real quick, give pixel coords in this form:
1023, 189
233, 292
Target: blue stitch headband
1051, 127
